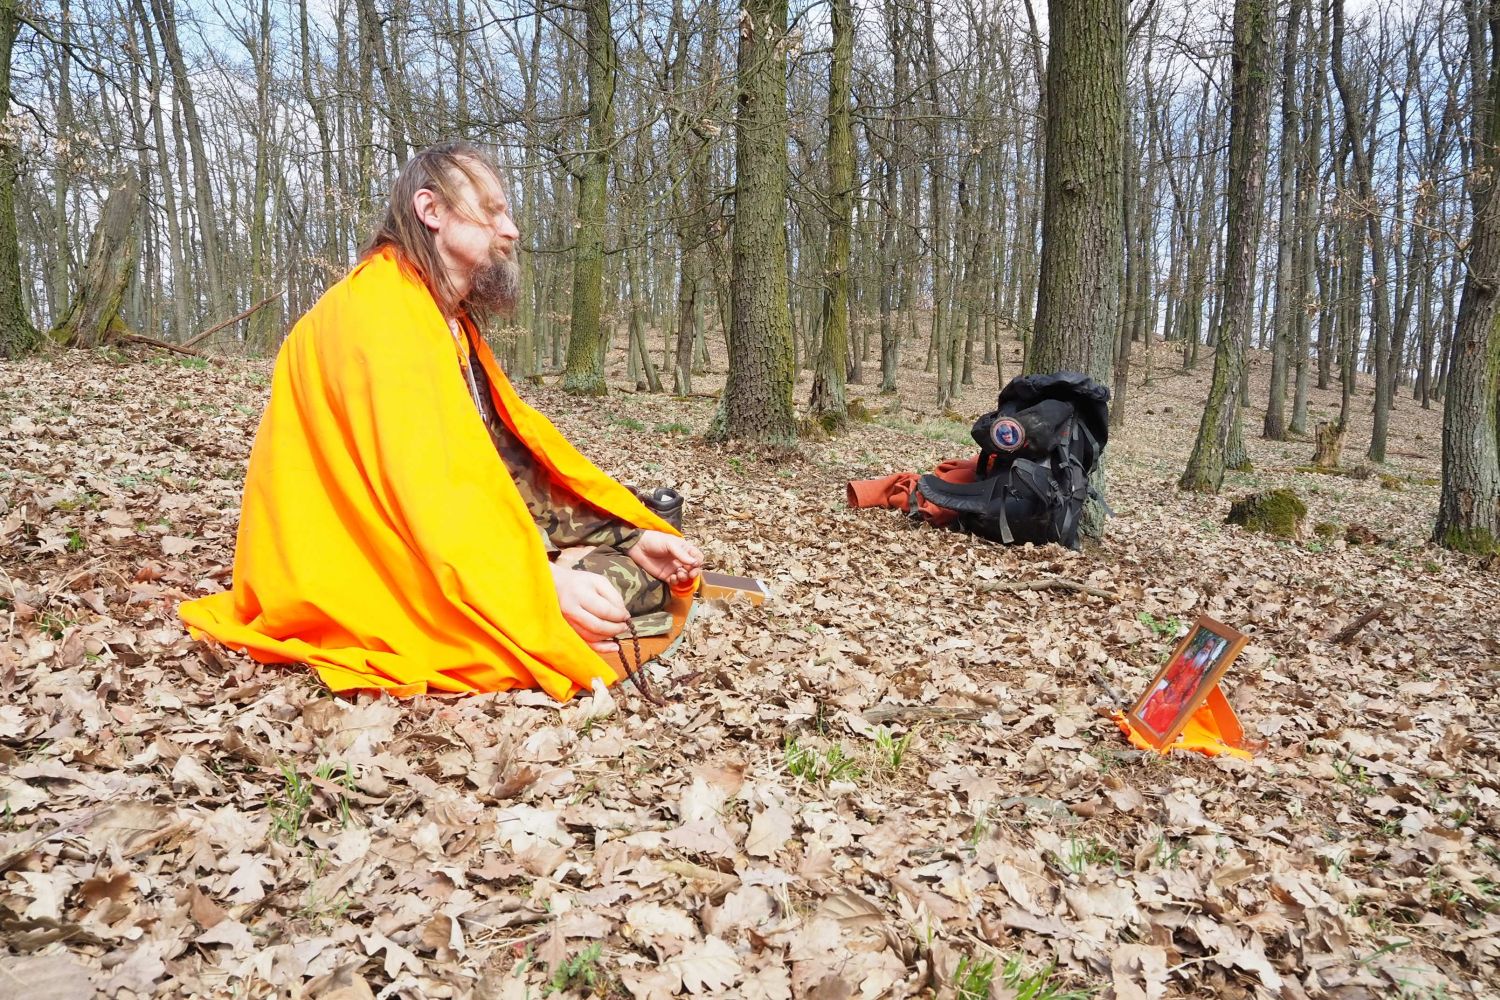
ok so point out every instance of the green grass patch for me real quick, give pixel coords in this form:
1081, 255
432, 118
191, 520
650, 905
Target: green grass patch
890, 750
933, 430
583, 971
974, 976
1162, 628
808, 764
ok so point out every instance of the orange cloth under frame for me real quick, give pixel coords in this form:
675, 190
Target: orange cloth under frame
381, 539
899, 490
1212, 729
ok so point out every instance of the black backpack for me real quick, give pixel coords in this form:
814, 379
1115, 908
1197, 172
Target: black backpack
1037, 449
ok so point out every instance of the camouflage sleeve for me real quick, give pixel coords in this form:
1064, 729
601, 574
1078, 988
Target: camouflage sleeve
571, 522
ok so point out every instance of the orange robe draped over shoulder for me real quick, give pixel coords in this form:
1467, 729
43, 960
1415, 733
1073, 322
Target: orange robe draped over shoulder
381, 539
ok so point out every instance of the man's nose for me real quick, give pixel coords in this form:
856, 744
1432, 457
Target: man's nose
506, 228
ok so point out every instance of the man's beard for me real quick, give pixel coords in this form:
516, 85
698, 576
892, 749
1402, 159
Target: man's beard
496, 284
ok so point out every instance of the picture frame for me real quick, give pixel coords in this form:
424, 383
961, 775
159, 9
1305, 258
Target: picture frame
1184, 682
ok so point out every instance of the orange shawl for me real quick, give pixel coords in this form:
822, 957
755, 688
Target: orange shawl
381, 539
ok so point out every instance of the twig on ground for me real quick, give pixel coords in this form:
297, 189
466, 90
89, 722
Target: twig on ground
1348, 632
62, 829
916, 713
1114, 696
1047, 583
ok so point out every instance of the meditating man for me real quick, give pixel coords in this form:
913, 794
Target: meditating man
408, 523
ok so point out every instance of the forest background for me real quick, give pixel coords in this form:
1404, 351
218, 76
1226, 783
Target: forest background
669, 163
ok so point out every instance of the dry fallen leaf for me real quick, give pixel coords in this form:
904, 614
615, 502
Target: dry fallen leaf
769, 831
707, 967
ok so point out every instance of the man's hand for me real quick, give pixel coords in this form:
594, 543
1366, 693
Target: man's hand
667, 557
592, 605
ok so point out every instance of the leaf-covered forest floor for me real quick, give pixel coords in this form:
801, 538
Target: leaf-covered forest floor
179, 821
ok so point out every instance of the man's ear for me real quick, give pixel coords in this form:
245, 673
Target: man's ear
425, 204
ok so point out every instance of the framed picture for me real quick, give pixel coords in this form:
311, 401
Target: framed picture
1181, 685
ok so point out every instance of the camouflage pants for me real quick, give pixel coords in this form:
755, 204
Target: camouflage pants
645, 596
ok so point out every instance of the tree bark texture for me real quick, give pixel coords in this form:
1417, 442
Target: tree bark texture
1078, 301
1246, 186
1469, 509
757, 401
1380, 304
93, 317
17, 334
1288, 299
220, 301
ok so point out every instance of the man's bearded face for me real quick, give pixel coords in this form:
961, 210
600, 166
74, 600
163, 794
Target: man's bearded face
496, 283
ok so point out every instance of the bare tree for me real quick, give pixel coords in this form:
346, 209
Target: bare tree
757, 400
18, 334
1247, 164
1469, 510
828, 398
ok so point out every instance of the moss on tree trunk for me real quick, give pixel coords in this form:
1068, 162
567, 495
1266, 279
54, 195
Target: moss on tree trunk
1219, 434
828, 400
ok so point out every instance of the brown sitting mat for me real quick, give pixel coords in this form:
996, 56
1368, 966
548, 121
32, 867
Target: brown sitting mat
653, 646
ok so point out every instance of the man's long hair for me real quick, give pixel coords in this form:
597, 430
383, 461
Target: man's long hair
441, 169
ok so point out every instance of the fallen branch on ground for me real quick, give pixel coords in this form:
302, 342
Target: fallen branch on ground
136, 338
1098, 678
1348, 632
199, 338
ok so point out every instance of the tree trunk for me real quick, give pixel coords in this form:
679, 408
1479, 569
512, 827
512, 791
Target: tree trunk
1363, 172
1469, 509
1247, 166
374, 40
59, 274
220, 302
1307, 218
587, 342
94, 317
1288, 299
827, 402
1328, 446
1129, 281
890, 341
17, 334
1078, 302
262, 332
937, 173
647, 378
757, 401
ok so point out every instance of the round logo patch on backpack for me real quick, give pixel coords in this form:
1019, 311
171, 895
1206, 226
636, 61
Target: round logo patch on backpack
1008, 434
